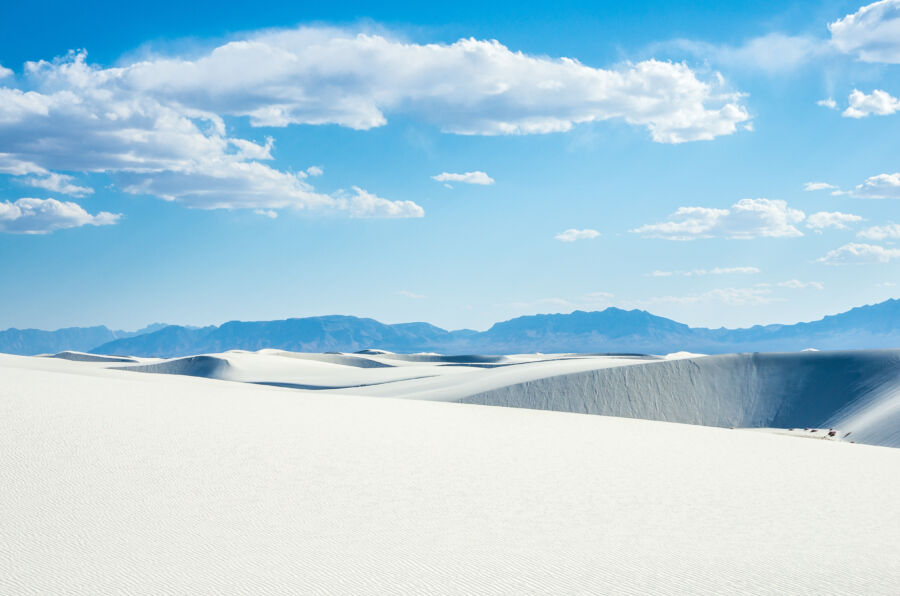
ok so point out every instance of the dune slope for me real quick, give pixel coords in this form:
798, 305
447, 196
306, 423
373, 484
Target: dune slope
857, 392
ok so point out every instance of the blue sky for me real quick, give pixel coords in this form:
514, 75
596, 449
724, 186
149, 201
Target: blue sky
717, 163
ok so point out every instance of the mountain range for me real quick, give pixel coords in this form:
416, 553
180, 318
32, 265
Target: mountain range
609, 330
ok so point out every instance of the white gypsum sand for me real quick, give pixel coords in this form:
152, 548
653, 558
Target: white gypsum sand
856, 392
122, 482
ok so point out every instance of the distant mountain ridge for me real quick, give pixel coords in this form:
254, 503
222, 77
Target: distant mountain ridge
609, 330
81, 339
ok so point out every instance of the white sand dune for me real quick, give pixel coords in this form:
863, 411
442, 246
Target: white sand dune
855, 391
115, 481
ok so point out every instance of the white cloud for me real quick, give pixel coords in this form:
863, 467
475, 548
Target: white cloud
83, 118
860, 253
872, 33
364, 204
701, 272
317, 75
796, 284
773, 52
812, 186
412, 295
888, 231
465, 178
571, 235
157, 125
315, 170
731, 296
266, 213
882, 186
17, 167
59, 183
748, 218
831, 219
5, 72
42, 216
880, 103
828, 102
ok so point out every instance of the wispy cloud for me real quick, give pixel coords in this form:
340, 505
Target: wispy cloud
860, 253
813, 186
888, 231
476, 177
772, 53
731, 296
58, 183
796, 284
701, 272
571, 235
412, 295
830, 219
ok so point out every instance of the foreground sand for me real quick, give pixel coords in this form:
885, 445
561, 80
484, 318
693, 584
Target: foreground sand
123, 482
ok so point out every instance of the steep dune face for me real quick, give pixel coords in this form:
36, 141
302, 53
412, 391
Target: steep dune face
194, 366
858, 392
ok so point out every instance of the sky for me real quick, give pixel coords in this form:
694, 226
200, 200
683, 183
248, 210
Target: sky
721, 164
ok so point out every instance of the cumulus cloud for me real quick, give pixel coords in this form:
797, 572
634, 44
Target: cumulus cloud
58, 183
314, 171
42, 216
157, 125
796, 284
321, 75
828, 102
812, 186
882, 186
889, 231
701, 272
571, 235
79, 117
5, 72
860, 253
872, 33
332, 76
748, 218
830, 219
476, 177
880, 103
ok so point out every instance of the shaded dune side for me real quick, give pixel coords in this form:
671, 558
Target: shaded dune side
193, 366
461, 359
342, 359
84, 357
811, 389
